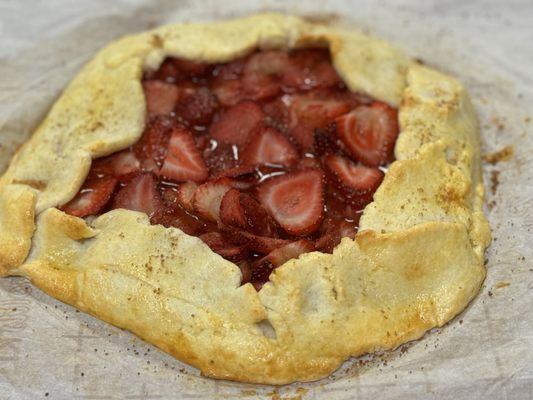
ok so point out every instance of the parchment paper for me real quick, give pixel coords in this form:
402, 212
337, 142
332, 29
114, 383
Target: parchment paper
49, 350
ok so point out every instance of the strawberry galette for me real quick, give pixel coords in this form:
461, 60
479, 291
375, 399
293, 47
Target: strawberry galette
263, 158
261, 198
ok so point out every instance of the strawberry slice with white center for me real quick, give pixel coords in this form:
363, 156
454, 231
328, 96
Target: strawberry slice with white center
268, 146
185, 195
369, 133
295, 200
161, 97
236, 124
92, 197
207, 198
283, 254
140, 194
217, 243
121, 164
357, 182
309, 112
243, 211
183, 161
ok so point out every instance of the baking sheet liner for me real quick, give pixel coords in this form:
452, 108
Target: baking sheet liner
50, 350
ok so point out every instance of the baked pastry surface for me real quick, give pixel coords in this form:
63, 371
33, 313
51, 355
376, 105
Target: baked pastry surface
416, 262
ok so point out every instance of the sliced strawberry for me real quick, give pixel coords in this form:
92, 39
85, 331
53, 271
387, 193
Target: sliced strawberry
308, 162
309, 112
185, 195
231, 212
268, 63
260, 273
151, 149
244, 176
217, 243
334, 231
140, 194
92, 197
262, 268
169, 195
227, 85
277, 113
176, 217
256, 243
246, 271
358, 183
202, 142
283, 254
341, 206
207, 198
295, 200
231, 70
239, 171
243, 211
325, 141
244, 183
182, 196
183, 161
228, 92
197, 106
355, 99
258, 219
167, 72
259, 89
121, 165
262, 74
268, 146
190, 68
369, 133
236, 124
310, 68
161, 97
220, 158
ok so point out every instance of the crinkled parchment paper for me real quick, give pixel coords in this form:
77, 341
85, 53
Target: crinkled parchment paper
50, 350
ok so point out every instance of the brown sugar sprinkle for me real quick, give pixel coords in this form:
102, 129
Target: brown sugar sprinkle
501, 285
494, 181
498, 122
505, 154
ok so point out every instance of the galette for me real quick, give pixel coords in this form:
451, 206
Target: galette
261, 198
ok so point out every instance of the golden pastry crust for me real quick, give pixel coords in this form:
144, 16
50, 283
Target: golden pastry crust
415, 264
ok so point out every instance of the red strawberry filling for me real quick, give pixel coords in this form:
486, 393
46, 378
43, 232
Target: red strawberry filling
263, 158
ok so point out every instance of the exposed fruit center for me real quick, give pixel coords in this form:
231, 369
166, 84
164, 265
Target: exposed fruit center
264, 158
